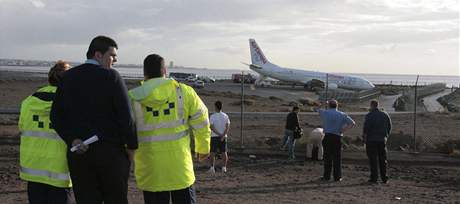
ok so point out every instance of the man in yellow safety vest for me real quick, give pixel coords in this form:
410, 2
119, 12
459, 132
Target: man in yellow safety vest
42, 157
166, 113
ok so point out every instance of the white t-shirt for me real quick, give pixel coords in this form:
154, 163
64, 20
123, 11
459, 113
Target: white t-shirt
219, 120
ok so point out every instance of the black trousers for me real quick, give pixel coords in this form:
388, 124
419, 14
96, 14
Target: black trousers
332, 145
377, 154
100, 175
183, 196
40, 193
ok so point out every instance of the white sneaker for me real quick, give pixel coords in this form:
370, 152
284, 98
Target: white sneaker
224, 169
212, 170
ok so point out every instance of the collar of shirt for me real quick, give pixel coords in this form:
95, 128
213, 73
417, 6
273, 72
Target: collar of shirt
92, 61
332, 110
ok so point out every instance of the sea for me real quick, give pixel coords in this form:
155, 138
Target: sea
222, 74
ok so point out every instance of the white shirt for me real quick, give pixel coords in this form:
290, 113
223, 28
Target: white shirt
219, 120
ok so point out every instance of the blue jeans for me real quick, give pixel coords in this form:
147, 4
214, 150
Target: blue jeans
289, 134
286, 137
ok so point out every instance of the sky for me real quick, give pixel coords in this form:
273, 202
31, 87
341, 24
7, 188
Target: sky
353, 36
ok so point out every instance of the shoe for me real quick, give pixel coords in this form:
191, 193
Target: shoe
324, 179
372, 181
338, 179
385, 181
224, 169
212, 170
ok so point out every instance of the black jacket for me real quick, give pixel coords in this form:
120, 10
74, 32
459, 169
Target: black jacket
92, 100
292, 121
377, 126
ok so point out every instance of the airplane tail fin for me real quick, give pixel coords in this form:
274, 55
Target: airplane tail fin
257, 56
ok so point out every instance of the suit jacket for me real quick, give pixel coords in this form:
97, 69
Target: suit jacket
91, 100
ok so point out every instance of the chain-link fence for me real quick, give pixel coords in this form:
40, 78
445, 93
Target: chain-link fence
424, 131
420, 122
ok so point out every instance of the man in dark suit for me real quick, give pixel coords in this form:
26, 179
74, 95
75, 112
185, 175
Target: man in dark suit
377, 128
92, 100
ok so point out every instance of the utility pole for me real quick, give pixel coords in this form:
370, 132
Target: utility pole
415, 113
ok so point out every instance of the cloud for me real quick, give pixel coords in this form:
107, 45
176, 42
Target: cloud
226, 50
37, 3
214, 33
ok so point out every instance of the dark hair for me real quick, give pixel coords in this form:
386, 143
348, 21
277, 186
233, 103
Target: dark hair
100, 44
332, 103
56, 72
295, 108
153, 65
218, 105
374, 103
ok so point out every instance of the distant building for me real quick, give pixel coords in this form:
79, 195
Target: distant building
171, 64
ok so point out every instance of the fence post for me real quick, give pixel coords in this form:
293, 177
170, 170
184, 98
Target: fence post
327, 87
415, 113
242, 110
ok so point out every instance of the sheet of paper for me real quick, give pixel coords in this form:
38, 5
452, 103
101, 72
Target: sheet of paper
86, 142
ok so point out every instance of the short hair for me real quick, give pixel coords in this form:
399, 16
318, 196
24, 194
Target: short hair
56, 72
218, 105
153, 65
332, 103
100, 44
295, 108
374, 103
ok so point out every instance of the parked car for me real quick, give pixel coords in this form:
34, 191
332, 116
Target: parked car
191, 78
178, 76
207, 79
199, 84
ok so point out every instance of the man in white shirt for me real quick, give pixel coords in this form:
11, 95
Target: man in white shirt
220, 125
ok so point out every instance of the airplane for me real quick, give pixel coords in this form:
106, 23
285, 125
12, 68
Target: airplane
310, 79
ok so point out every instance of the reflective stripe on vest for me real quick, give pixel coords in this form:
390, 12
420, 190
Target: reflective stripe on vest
180, 101
53, 175
160, 138
141, 126
200, 125
197, 114
41, 134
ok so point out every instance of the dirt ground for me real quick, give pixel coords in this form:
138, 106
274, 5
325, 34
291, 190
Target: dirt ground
270, 178
275, 180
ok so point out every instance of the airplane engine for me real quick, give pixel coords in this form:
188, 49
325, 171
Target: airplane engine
313, 85
317, 84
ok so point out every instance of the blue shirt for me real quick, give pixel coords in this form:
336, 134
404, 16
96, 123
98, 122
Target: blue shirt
333, 121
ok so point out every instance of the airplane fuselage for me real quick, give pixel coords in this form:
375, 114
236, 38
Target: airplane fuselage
261, 65
304, 76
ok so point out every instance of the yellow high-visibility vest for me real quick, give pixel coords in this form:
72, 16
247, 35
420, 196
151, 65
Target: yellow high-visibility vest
42, 154
166, 113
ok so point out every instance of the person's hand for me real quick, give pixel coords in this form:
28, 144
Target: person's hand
82, 148
130, 153
202, 157
222, 138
